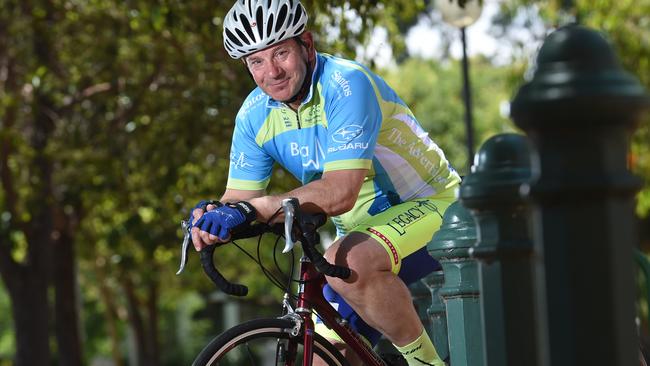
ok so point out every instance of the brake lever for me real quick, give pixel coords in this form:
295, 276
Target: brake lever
289, 213
187, 233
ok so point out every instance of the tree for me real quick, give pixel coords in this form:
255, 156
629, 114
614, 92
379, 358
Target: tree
114, 117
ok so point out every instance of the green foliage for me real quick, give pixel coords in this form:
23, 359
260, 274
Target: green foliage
349, 23
626, 25
141, 98
7, 344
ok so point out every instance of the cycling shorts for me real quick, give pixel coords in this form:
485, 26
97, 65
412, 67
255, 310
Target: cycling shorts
404, 231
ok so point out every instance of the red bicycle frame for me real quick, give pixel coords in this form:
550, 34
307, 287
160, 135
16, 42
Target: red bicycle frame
310, 297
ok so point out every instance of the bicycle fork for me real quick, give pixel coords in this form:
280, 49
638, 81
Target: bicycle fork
303, 307
301, 318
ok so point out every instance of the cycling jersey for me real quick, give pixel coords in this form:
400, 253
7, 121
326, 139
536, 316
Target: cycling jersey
350, 119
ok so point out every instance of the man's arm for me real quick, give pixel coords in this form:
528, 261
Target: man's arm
333, 194
235, 195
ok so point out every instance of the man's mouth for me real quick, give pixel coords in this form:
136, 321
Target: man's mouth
280, 83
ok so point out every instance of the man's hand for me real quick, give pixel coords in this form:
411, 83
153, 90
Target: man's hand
215, 225
195, 215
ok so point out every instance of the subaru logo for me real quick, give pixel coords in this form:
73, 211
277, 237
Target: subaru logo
347, 133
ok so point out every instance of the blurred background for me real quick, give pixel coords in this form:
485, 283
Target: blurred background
115, 119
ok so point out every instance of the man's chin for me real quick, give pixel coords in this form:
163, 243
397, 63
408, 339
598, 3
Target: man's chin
283, 98
281, 94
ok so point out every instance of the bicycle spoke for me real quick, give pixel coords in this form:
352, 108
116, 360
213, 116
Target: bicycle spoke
263, 342
279, 353
250, 354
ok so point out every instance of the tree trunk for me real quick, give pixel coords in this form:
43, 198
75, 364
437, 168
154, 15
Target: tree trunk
152, 309
111, 314
136, 321
66, 312
29, 306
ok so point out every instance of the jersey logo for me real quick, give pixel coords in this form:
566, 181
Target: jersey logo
319, 153
303, 151
239, 162
347, 133
343, 82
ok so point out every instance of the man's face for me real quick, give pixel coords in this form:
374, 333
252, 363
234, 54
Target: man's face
280, 69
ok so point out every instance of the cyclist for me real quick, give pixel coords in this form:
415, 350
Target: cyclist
361, 155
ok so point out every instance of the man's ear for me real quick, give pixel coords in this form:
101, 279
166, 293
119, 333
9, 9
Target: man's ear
308, 41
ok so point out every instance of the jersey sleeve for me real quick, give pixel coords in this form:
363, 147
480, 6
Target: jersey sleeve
353, 120
250, 165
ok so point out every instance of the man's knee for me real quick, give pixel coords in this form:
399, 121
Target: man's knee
363, 255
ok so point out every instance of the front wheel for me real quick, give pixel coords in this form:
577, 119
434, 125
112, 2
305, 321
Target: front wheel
264, 342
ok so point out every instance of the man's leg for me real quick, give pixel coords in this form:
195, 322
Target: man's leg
349, 355
377, 294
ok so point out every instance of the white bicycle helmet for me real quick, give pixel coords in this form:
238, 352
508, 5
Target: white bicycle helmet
252, 25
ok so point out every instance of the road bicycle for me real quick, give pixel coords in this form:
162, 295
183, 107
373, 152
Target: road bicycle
289, 339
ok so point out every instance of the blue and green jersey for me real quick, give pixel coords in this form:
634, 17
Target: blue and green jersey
351, 119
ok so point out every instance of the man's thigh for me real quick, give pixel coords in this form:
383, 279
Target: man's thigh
406, 228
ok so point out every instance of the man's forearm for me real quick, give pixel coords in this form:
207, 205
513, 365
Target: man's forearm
334, 194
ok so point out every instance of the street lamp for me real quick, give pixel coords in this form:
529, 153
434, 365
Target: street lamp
462, 17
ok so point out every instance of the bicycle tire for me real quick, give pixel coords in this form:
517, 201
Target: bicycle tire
227, 348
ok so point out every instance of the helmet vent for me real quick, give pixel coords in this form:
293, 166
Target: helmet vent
247, 28
297, 17
241, 36
269, 27
282, 16
260, 21
232, 38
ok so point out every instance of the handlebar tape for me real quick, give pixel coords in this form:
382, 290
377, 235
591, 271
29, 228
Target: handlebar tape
216, 277
308, 223
323, 266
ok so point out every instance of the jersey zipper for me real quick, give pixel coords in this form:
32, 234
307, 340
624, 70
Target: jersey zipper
298, 116
296, 112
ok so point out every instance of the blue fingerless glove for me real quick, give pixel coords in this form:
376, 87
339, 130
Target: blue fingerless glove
222, 220
203, 204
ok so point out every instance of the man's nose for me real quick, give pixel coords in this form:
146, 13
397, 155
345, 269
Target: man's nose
274, 70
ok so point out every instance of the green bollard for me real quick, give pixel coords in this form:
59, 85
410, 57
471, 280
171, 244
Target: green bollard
421, 300
579, 110
437, 314
426, 298
450, 246
431, 310
504, 249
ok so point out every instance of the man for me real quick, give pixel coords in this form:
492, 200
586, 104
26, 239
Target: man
363, 160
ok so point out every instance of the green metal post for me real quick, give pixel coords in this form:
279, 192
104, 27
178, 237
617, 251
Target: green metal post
431, 310
504, 249
644, 265
579, 110
450, 246
437, 314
